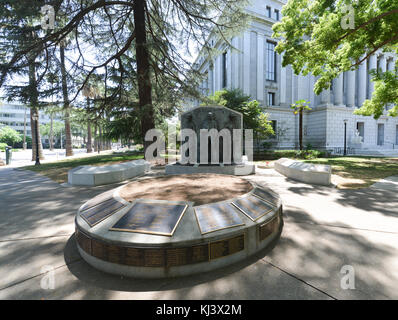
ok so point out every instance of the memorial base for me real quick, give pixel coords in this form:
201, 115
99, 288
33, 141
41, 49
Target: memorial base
122, 233
243, 169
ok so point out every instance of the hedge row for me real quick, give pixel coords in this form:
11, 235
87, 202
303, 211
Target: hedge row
295, 154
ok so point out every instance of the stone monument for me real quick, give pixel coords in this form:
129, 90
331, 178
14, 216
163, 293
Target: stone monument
212, 126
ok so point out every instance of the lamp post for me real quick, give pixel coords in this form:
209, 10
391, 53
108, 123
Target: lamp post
35, 118
345, 136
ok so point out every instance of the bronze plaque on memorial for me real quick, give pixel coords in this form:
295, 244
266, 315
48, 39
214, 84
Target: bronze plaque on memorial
253, 207
222, 248
199, 253
97, 200
135, 257
152, 218
83, 241
267, 196
154, 257
99, 249
218, 216
98, 213
267, 228
177, 256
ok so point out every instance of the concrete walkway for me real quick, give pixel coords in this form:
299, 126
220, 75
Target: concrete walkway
325, 229
390, 183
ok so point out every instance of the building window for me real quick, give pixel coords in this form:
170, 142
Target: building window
268, 11
396, 134
274, 127
224, 70
276, 14
271, 98
271, 61
361, 130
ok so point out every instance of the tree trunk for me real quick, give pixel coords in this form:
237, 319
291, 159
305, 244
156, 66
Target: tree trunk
95, 139
89, 133
33, 123
143, 71
89, 138
68, 134
100, 145
301, 129
34, 102
51, 132
24, 131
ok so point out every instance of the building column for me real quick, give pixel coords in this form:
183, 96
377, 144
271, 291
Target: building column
338, 90
229, 69
325, 96
383, 63
234, 64
362, 83
350, 88
246, 63
294, 88
260, 67
302, 87
283, 83
390, 64
312, 93
211, 78
372, 65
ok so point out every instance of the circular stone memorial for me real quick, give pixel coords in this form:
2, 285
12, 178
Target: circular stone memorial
177, 225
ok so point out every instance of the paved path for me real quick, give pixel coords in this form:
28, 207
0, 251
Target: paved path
324, 230
390, 183
24, 157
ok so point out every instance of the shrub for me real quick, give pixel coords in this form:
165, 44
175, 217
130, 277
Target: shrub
308, 154
294, 154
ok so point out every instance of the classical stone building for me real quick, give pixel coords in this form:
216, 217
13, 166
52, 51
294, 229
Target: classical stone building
256, 69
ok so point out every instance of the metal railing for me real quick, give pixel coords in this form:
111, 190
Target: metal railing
340, 150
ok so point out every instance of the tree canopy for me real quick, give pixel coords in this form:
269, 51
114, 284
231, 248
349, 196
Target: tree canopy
328, 37
138, 49
9, 136
253, 116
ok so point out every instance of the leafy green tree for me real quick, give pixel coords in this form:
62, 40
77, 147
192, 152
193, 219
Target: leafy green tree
148, 35
253, 116
299, 108
10, 136
328, 37
57, 129
20, 30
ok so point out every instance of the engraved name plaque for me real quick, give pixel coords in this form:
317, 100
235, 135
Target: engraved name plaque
98, 199
253, 207
213, 217
100, 212
266, 196
151, 218
222, 248
267, 228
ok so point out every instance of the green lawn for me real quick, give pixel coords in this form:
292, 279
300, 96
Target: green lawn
356, 172
362, 171
58, 171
